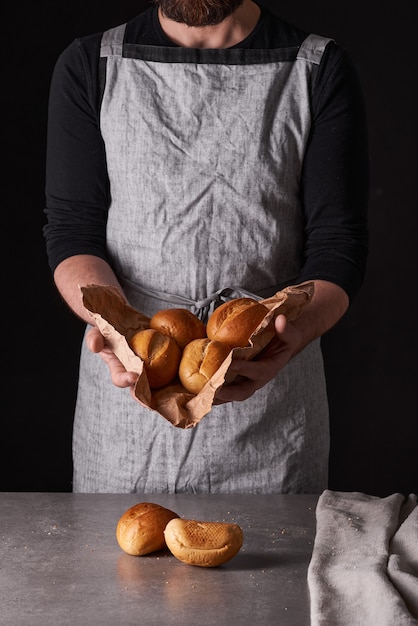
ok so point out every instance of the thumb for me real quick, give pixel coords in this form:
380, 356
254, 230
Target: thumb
95, 340
280, 324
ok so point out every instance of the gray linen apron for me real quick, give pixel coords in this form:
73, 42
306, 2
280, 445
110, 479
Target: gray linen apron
204, 151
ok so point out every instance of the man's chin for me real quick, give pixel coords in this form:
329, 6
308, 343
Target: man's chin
198, 13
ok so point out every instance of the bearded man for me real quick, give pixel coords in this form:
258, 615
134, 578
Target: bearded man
204, 150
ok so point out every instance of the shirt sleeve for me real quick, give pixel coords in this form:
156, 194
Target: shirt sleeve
335, 177
77, 185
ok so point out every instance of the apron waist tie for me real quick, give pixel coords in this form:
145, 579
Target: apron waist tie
202, 308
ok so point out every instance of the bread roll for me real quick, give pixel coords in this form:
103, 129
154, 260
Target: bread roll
200, 360
140, 530
235, 321
161, 356
207, 544
179, 324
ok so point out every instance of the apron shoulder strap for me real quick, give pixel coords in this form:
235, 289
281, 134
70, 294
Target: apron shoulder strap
312, 48
112, 41
111, 45
311, 51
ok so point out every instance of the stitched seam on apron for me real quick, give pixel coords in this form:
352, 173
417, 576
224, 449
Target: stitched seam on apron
235, 56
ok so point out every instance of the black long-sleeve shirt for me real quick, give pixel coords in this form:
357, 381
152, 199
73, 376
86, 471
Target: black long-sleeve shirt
335, 177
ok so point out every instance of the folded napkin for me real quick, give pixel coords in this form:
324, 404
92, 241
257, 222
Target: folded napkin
364, 565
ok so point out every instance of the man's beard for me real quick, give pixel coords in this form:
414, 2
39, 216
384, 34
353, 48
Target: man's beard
198, 12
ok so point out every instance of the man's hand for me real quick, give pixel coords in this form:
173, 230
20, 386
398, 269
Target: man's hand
328, 305
120, 377
253, 375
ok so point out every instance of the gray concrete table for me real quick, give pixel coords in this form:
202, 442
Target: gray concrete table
60, 563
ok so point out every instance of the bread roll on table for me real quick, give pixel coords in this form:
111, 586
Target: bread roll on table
140, 530
206, 544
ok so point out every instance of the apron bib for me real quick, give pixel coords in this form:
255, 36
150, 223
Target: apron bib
205, 150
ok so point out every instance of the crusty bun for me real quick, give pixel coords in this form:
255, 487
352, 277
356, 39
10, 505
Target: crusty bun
179, 324
161, 356
207, 544
140, 530
234, 322
200, 360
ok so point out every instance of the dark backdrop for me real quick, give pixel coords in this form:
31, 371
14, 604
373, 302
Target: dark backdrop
371, 356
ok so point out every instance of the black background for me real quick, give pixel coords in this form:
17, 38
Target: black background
371, 355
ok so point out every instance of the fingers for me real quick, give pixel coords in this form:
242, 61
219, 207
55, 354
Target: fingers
253, 370
119, 376
253, 375
95, 340
240, 389
280, 324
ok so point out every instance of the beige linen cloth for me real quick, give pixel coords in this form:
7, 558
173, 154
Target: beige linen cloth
364, 565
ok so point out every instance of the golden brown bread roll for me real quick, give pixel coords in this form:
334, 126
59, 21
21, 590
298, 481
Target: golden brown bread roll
200, 360
207, 544
179, 324
140, 530
235, 321
161, 356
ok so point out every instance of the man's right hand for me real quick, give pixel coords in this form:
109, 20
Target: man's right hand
120, 377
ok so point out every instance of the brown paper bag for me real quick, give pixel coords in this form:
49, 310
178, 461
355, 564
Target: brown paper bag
118, 321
